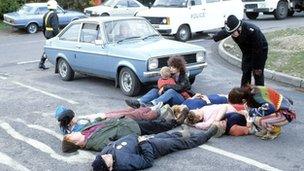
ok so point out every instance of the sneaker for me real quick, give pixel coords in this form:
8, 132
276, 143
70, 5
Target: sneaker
133, 103
42, 66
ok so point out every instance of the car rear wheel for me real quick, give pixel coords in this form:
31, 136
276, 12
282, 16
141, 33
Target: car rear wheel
252, 15
32, 28
128, 82
65, 71
282, 10
183, 33
105, 14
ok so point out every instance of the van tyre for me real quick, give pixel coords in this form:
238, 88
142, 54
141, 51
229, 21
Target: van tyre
32, 28
282, 10
128, 82
65, 71
183, 33
252, 15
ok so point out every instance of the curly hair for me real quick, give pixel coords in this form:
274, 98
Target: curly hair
238, 94
178, 62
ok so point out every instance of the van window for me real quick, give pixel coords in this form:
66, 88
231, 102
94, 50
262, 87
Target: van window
71, 34
89, 33
132, 4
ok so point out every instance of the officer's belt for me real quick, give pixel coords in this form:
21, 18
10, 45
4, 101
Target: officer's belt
49, 29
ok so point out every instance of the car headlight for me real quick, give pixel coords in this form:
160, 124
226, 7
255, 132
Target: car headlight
166, 21
200, 56
152, 63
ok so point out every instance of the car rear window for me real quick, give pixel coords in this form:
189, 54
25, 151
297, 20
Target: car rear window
71, 34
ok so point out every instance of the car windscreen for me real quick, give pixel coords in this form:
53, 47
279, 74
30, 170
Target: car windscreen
124, 30
26, 9
170, 3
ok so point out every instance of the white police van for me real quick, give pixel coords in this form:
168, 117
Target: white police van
184, 17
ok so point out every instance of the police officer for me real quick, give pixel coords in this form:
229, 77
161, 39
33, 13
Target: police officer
253, 45
50, 26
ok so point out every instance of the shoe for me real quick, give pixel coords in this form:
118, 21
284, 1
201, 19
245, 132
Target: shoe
157, 106
133, 103
42, 66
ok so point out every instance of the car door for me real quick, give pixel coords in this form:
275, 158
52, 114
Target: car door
214, 14
197, 15
67, 44
120, 8
92, 57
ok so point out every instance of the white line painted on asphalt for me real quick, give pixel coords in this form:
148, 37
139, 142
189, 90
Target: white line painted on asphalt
6, 160
80, 158
240, 158
27, 62
3, 78
46, 93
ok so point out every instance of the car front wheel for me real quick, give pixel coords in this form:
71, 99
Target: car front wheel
65, 71
282, 10
128, 82
32, 28
183, 33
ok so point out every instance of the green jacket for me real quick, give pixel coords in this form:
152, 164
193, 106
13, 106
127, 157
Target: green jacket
113, 130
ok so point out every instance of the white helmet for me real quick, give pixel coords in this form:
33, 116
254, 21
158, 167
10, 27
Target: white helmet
52, 5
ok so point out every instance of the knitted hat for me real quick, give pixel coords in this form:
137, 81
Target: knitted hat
99, 164
68, 147
62, 112
232, 24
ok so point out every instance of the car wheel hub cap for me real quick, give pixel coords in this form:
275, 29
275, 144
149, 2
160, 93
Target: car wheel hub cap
32, 28
126, 81
183, 34
63, 69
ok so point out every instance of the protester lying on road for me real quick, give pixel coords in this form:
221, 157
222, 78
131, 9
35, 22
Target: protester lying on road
171, 94
268, 108
69, 123
198, 100
134, 153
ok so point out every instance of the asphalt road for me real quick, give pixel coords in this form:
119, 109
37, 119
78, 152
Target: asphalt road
29, 135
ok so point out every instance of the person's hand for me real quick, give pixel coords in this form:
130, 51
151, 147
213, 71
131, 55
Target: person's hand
257, 72
161, 90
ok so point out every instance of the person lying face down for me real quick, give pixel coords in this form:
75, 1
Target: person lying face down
135, 153
199, 100
70, 123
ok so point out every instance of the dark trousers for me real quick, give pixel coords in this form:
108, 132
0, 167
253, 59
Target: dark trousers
43, 58
165, 143
248, 63
156, 126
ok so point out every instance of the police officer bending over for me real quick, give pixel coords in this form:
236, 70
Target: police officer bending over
50, 27
253, 45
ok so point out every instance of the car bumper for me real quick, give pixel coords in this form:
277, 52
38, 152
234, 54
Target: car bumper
163, 29
257, 10
193, 70
13, 25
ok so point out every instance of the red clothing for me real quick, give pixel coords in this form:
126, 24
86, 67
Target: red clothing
162, 82
142, 113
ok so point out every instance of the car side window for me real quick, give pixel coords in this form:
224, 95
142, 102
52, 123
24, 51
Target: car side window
89, 33
212, 1
132, 4
197, 2
71, 34
42, 10
122, 4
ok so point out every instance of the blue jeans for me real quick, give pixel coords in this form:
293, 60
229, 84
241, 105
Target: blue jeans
169, 96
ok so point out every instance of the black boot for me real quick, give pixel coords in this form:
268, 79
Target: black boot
133, 103
42, 61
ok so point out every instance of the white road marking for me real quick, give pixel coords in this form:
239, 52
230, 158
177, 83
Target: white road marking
27, 62
80, 158
3, 78
6, 160
46, 93
239, 157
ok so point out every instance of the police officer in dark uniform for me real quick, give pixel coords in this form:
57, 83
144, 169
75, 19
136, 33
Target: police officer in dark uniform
253, 45
50, 27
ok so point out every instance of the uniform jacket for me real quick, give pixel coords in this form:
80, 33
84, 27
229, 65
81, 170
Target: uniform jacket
128, 154
52, 22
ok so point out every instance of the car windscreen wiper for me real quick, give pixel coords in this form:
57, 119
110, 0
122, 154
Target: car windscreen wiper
128, 38
152, 35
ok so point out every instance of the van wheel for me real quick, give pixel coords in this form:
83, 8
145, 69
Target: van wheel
65, 71
252, 15
282, 10
105, 14
183, 33
128, 82
32, 28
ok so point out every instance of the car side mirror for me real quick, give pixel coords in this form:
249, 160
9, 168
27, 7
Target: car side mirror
192, 3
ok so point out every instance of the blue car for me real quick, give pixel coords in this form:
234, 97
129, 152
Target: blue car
125, 49
30, 17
